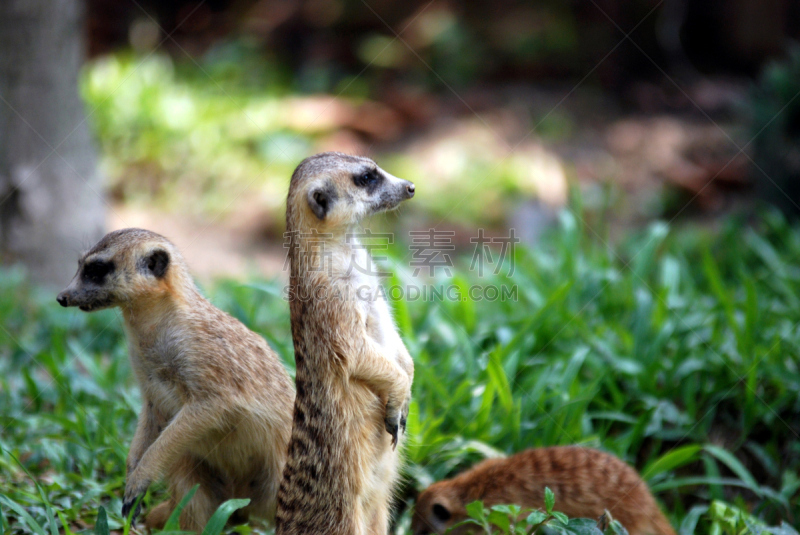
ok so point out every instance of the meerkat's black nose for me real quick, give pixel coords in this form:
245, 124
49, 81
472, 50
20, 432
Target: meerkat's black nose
62, 299
410, 189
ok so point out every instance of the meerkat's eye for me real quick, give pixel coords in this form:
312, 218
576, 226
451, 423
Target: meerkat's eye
96, 271
366, 179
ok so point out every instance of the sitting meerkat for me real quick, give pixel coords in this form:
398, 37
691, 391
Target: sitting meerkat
585, 482
354, 373
216, 400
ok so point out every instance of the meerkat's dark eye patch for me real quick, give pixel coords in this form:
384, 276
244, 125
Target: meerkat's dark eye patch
369, 179
441, 512
157, 263
321, 199
96, 271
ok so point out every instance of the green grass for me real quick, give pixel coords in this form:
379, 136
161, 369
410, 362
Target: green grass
676, 350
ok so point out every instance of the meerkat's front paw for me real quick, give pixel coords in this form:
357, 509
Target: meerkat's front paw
134, 492
397, 410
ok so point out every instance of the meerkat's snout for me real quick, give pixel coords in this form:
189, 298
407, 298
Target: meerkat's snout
76, 296
390, 192
66, 299
87, 301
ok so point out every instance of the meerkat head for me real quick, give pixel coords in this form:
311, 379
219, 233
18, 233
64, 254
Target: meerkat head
124, 266
333, 191
437, 508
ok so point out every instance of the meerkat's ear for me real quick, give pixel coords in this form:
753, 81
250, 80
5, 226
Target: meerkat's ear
157, 263
321, 199
441, 512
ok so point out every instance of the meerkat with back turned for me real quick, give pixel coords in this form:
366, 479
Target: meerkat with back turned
217, 402
585, 482
354, 373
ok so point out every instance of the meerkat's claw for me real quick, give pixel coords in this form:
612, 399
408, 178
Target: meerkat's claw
392, 428
129, 504
392, 423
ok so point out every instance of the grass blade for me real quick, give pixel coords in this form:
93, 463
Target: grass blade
220, 517
671, 460
101, 527
735, 466
23, 514
173, 520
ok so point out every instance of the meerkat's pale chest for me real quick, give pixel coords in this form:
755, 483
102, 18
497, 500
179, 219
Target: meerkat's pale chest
370, 299
158, 371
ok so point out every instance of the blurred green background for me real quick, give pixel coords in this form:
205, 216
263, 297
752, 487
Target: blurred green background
645, 152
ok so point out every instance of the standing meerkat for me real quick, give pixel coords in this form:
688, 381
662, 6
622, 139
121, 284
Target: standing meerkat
216, 400
585, 482
354, 373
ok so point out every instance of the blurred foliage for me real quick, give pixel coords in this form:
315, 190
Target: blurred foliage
227, 131
775, 109
443, 47
198, 136
677, 351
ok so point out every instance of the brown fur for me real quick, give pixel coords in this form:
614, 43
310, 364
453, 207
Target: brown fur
216, 400
353, 371
585, 482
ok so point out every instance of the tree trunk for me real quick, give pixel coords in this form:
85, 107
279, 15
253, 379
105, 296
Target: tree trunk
51, 198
